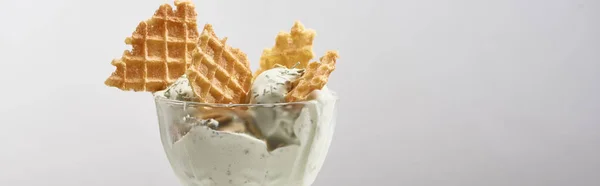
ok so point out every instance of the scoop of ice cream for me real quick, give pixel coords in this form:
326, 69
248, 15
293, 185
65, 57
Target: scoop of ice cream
272, 85
275, 124
180, 90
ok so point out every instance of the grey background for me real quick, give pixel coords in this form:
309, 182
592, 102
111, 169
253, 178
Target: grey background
456, 93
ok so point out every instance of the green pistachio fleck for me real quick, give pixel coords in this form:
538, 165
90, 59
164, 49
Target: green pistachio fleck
167, 93
180, 97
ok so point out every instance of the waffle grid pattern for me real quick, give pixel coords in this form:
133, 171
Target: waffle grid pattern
315, 77
219, 73
161, 50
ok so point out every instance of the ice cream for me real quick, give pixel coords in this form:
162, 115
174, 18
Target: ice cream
220, 122
179, 90
297, 138
272, 85
207, 157
275, 123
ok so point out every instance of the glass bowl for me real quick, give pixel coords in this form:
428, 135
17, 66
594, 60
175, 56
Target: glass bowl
278, 144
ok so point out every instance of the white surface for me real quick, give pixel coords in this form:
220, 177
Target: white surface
470, 93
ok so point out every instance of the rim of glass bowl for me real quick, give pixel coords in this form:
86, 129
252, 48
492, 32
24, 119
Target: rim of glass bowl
161, 99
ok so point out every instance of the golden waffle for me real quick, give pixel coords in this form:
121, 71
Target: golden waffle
314, 78
161, 50
290, 48
219, 73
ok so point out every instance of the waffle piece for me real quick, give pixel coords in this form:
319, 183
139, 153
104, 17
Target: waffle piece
219, 73
290, 48
314, 78
161, 50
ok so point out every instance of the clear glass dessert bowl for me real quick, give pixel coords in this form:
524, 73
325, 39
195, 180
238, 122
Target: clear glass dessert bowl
281, 144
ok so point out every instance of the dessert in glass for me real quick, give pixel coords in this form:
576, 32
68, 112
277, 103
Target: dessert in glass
216, 144
220, 123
